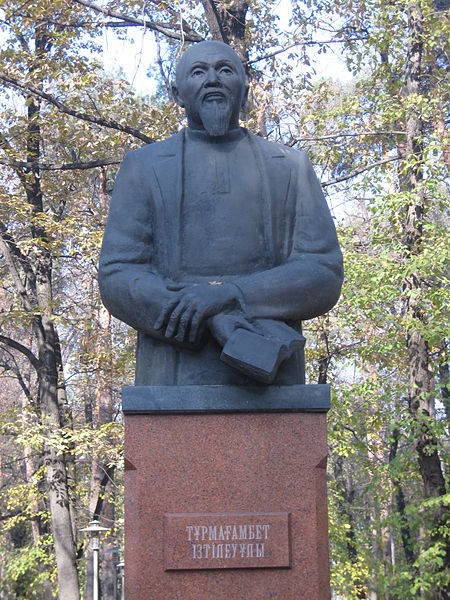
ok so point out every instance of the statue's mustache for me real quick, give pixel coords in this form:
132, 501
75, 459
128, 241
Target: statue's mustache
214, 94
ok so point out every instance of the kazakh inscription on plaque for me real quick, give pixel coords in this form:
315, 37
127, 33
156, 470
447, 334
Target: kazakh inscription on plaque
226, 541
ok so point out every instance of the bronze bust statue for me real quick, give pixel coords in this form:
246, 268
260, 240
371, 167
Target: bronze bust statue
218, 242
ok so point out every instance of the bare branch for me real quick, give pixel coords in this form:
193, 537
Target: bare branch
74, 24
359, 171
16, 513
332, 136
75, 166
103, 121
120, 24
154, 26
20, 348
180, 21
302, 43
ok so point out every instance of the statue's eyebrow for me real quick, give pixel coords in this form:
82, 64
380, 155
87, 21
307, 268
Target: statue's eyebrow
198, 64
219, 63
226, 62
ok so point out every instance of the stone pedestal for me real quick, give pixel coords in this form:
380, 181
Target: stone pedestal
225, 493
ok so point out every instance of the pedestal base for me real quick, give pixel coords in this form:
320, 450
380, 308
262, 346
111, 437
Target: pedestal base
226, 505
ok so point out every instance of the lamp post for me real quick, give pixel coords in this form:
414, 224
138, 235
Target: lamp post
93, 531
120, 569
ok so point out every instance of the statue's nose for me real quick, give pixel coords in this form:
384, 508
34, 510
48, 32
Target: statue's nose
211, 77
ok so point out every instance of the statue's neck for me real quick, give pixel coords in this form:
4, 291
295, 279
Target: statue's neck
201, 135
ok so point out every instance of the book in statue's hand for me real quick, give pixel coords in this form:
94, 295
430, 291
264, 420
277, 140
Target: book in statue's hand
259, 348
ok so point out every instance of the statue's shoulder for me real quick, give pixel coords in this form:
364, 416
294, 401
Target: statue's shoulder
155, 150
272, 149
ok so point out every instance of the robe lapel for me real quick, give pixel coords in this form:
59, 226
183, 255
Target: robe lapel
276, 184
168, 170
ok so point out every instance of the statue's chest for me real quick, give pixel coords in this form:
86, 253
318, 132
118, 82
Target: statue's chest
222, 220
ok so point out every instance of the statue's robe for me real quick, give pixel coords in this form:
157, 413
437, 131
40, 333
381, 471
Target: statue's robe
200, 209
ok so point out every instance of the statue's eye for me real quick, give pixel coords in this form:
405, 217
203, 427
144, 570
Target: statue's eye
226, 70
196, 72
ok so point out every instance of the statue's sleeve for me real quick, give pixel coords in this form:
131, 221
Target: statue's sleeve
130, 287
308, 281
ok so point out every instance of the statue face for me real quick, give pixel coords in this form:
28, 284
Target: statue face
211, 87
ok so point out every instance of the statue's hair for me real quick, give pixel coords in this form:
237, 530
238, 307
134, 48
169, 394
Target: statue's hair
181, 66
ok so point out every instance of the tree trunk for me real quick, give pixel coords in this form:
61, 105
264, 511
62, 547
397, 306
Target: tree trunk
421, 397
58, 492
400, 503
444, 376
226, 21
420, 388
47, 343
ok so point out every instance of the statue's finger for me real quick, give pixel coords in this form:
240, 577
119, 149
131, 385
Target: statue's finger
164, 313
196, 321
175, 317
183, 323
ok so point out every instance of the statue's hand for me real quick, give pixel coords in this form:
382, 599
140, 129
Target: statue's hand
185, 314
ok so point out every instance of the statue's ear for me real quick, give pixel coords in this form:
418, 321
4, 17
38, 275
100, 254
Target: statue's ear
176, 96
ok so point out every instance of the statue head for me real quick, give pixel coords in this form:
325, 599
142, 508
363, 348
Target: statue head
211, 87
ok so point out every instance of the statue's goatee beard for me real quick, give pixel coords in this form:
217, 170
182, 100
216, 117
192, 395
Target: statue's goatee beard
215, 117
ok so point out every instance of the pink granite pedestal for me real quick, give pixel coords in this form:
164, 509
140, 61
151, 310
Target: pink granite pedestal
226, 501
